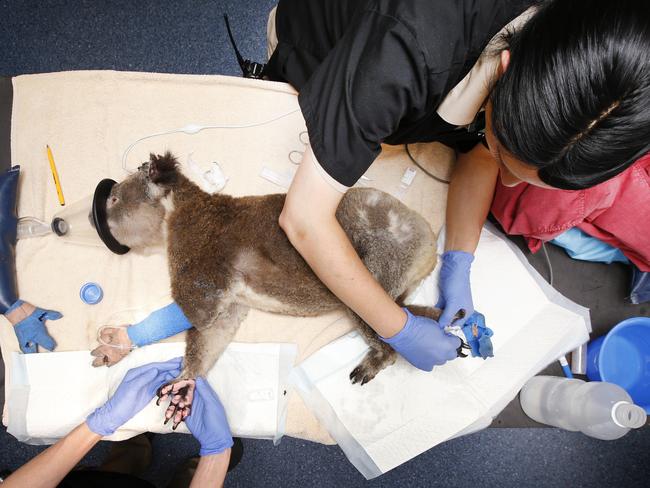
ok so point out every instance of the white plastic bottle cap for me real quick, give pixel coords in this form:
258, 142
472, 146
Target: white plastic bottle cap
626, 414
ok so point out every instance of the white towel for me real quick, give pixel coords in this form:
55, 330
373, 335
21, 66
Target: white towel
89, 118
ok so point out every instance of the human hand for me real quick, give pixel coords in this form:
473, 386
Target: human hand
115, 345
136, 390
423, 343
207, 421
29, 326
455, 291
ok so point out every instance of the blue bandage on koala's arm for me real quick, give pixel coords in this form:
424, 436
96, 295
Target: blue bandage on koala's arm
162, 323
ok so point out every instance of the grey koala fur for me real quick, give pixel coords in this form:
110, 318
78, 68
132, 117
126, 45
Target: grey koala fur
229, 254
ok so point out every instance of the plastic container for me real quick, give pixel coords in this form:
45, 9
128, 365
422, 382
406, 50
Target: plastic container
579, 359
600, 410
85, 222
622, 357
91, 293
32, 227
74, 224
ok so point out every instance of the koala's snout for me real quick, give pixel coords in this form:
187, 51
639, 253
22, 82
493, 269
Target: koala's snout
111, 201
134, 218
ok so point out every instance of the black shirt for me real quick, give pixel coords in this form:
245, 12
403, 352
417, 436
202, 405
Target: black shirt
375, 71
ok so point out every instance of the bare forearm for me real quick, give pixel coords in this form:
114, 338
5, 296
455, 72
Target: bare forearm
20, 313
470, 195
309, 220
50, 467
211, 471
328, 251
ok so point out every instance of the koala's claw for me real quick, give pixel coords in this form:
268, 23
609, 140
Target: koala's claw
360, 374
181, 393
463, 345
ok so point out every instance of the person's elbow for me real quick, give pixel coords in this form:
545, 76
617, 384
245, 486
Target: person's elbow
295, 224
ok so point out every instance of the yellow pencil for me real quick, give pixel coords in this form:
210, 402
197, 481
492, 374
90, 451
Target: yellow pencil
57, 183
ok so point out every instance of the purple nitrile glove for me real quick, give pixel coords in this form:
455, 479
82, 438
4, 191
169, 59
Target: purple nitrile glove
455, 291
207, 421
423, 343
134, 393
31, 331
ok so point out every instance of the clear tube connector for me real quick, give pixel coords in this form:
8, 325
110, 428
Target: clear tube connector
115, 346
32, 227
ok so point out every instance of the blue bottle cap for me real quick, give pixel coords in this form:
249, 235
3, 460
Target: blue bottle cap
91, 293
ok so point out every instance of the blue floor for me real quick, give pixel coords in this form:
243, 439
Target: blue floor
189, 37
492, 458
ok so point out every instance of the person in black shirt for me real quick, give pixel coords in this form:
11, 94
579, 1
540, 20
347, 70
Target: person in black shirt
564, 86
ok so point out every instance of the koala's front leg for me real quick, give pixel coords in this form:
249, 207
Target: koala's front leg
115, 345
203, 347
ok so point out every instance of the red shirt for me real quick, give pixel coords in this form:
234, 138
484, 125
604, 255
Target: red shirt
616, 212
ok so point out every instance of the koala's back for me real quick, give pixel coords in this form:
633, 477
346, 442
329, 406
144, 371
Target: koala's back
222, 247
395, 242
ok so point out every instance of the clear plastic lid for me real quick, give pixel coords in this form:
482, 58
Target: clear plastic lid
626, 414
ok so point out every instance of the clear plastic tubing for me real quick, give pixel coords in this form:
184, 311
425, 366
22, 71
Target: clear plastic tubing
598, 409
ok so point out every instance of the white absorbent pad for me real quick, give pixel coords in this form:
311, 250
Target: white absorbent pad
403, 411
48, 400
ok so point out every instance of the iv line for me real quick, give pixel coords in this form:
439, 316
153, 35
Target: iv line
192, 129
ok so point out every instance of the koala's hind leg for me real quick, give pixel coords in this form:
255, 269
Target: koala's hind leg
380, 356
429, 312
203, 348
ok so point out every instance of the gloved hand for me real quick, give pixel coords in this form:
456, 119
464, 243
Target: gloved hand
31, 331
455, 291
423, 343
207, 421
136, 390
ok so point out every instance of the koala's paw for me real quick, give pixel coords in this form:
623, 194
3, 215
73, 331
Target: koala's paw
115, 346
180, 393
373, 362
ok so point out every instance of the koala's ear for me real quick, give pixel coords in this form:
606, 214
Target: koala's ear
162, 169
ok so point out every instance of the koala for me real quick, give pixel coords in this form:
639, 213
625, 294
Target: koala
227, 255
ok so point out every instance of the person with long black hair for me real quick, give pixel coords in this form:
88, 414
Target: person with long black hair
563, 85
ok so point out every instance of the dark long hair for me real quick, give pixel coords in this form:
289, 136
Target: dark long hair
575, 98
